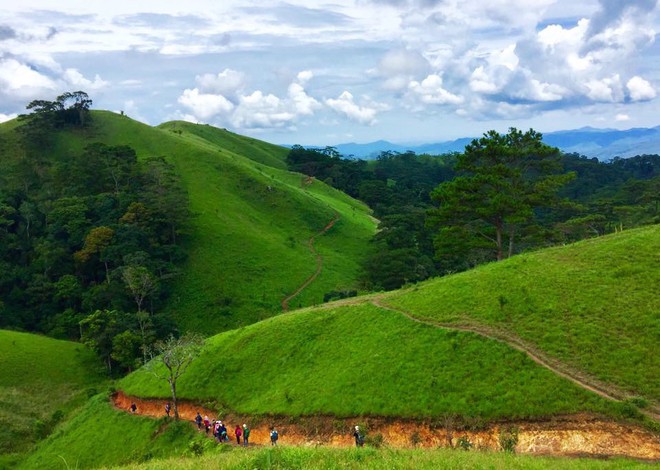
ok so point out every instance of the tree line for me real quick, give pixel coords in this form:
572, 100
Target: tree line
95, 230
504, 194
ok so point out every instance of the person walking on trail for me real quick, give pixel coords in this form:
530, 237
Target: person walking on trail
198, 420
223, 432
359, 437
273, 436
246, 435
216, 429
168, 407
133, 407
207, 424
238, 433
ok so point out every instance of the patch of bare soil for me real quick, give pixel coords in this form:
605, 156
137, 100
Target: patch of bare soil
575, 435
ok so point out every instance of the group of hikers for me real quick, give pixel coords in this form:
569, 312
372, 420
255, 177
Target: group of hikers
221, 433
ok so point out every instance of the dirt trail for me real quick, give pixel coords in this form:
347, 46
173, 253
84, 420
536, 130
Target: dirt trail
319, 263
577, 435
592, 384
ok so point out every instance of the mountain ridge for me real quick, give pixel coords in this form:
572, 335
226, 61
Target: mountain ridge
601, 143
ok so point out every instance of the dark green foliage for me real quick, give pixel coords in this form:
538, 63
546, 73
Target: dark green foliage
396, 186
512, 181
72, 224
503, 180
508, 438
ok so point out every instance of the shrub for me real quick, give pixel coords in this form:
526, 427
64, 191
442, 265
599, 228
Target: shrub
508, 438
375, 441
464, 443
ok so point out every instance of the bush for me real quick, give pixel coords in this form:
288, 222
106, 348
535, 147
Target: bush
508, 439
464, 443
375, 441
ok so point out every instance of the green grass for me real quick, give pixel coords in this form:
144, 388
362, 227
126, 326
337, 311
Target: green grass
100, 435
251, 221
594, 305
362, 360
257, 150
40, 377
292, 458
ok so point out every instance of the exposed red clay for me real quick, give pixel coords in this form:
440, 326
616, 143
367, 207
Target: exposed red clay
575, 435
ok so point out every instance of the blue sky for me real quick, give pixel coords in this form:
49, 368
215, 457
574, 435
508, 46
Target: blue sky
317, 73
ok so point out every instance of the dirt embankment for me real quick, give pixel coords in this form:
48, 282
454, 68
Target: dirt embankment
578, 435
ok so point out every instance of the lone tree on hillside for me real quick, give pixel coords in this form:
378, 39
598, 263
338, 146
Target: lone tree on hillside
175, 354
503, 180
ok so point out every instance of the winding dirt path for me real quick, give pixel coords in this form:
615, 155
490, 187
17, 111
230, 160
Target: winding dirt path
574, 435
584, 381
319, 263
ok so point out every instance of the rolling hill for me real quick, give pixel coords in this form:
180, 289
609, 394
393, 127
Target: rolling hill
41, 381
252, 221
455, 346
591, 307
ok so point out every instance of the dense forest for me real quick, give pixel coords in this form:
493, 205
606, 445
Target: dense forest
590, 198
89, 240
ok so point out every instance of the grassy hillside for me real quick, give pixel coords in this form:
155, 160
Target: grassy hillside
329, 459
251, 221
100, 435
362, 360
257, 150
41, 380
593, 305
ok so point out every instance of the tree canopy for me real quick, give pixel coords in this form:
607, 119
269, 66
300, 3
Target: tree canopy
503, 180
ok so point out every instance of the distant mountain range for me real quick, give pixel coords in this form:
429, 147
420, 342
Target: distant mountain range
603, 144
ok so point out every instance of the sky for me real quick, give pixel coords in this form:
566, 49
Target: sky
325, 73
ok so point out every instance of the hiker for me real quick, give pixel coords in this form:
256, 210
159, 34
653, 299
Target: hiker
207, 424
133, 407
168, 407
198, 420
273, 436
223, 432
246, 434
359, 438
238, 434
216, 429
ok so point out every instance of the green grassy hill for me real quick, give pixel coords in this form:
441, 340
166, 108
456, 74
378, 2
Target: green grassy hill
358, 358
362, 360
41, 380
592, 305
100, 435
251, 221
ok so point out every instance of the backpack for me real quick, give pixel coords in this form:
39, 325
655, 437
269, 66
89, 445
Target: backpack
273, 435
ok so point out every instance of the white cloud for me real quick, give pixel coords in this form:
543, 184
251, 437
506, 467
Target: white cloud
21, 80
227, 83
430, 91
399, 66
607, 89
7, 117
639, 89
302, 102
75, 79
257, 111
204, 105
345, 104
621, 117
